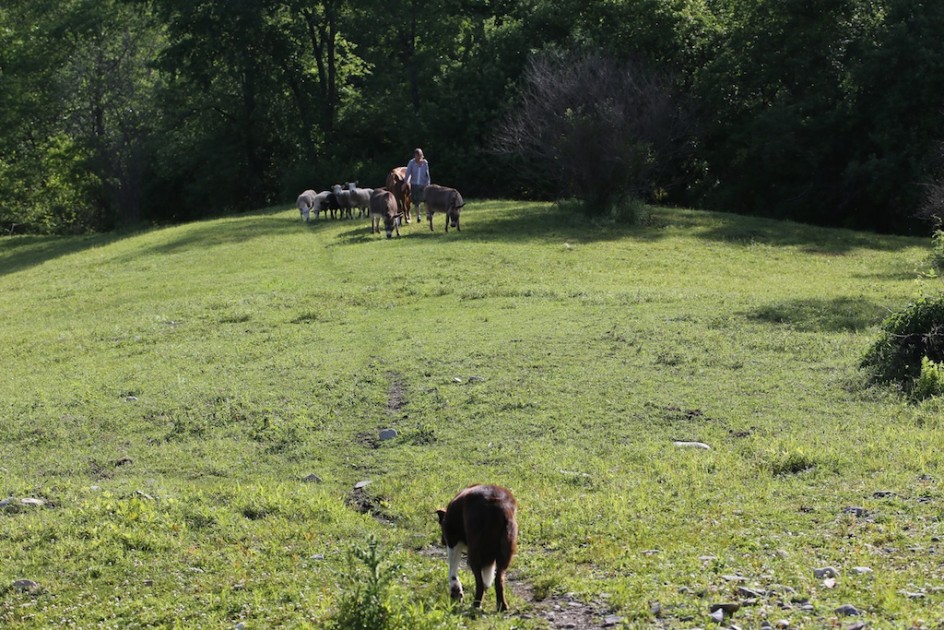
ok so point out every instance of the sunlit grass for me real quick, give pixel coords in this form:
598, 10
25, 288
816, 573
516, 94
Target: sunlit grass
166, 393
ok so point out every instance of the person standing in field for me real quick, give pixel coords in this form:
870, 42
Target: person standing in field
417, 176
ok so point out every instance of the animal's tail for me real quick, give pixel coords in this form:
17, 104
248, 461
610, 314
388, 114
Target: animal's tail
488, 575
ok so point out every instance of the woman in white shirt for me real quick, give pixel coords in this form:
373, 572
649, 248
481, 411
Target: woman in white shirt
417, 176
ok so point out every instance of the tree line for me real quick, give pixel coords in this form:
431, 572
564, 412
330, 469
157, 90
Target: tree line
116, 112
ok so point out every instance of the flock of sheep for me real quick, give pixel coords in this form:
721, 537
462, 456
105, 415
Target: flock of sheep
390, 204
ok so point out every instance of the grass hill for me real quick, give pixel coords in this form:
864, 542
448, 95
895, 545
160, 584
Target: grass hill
165, 395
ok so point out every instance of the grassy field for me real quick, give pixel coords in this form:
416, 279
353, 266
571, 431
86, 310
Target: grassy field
165, 394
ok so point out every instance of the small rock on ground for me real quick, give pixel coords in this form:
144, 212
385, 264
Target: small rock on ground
696, 445
27, 586
848, 610
388, 434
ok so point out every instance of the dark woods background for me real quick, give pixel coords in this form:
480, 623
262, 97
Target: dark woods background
114, 112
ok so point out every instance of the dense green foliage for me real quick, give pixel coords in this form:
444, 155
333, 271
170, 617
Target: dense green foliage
116, 111
910, 336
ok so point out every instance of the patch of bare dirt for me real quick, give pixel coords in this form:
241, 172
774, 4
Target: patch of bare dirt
557, 611
361, 501
560, 610
395, 393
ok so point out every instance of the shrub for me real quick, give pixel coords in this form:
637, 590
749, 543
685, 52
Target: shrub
930, 382
937, 251
908, 337
366, 604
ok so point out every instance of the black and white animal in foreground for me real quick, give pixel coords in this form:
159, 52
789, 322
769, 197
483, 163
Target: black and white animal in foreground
442, 199
480, 521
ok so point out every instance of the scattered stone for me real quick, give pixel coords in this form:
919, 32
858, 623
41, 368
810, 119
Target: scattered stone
457, 380
8, 501
734, 578
574, 473
360, 485
825, 572
132, 399
476, 379
861, 570
123, 462
783, 623
388, 434
650, 552
848, 610
32, 502
696, 445
240, 626
148, 582
26, 586
312, 478
144, 495
656, 609
859, 625
883, 494
829, 582
317, 556
809, 608
707, 558
612, 620
858, 512
744, 591
728, 608
717, 616
912, 595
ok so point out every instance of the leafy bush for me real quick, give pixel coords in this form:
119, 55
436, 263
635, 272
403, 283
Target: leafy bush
366, 604
937, 250
908, 338
930, 382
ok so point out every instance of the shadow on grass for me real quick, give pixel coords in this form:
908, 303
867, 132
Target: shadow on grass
18, 253
483, 221
490, 221
811, 239
237, 229
841, 314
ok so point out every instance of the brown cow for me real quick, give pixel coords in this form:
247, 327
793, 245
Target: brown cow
383, 205
442, 199
397, 184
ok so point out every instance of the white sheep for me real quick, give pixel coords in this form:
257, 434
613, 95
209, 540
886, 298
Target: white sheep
305, 202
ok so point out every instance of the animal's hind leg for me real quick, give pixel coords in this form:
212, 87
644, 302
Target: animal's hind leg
500, 590
479, 587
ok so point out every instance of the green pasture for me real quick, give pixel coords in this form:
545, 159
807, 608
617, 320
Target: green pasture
166, 393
